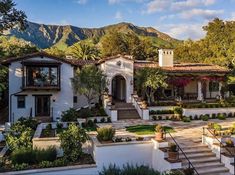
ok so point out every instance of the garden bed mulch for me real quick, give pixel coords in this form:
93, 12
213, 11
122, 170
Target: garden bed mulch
85, 159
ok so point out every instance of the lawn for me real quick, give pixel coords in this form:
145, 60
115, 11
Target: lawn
146, 129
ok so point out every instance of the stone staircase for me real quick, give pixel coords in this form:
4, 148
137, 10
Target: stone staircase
126, 111
202, 158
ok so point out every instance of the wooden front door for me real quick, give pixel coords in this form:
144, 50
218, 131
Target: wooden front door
42, 105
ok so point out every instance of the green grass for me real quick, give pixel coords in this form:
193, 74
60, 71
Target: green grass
146, 129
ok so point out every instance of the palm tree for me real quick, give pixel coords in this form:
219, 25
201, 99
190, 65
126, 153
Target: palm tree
84, 51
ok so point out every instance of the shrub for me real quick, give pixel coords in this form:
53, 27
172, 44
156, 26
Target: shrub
152, 112
46, 164
70, 115
205, 118
159, 129
191, 117
109, 120
159, 117
23, 155
102, 120
18, 167
230, 115
178, 110
19, 139
90, 123
32, 156
71, 142
95, 120
217, 127
128, 170
101, 112
186, 119
105, 134
172, 147
229, 143
221, 117
59, 125
85, 113
60, 162
48, 154
188, 171
154, 117
213, 116
23, 123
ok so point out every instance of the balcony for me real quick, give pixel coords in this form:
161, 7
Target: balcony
41, 77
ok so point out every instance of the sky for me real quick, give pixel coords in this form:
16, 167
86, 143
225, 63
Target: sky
181, 19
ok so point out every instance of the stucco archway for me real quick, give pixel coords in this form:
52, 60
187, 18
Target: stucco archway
119, 88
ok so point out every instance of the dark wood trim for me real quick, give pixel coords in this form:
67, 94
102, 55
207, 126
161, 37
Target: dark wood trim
42, 88
35, 104
21, 95
41, 94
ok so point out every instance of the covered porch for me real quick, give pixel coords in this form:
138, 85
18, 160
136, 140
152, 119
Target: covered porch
193, 88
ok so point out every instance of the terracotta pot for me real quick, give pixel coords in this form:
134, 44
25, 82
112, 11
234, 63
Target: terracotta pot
173, 155
159, 136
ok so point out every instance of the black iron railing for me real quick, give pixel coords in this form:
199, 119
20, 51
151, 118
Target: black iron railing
222, 146
190, 165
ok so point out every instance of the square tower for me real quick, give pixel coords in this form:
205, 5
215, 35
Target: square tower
166, 57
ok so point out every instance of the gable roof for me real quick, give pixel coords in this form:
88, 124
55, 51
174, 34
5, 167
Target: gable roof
127, 57
74, 62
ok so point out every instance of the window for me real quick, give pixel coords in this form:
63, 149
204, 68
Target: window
42, 76
75, 99
20, 101
214, 86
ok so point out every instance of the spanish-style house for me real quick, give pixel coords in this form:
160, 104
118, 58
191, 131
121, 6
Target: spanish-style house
40, 84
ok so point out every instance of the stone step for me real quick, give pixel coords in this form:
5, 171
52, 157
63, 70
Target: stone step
212, 171
198, 155
128, 114
201, 160
197, 150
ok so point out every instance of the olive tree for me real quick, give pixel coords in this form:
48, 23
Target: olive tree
148, 80
90, 82
71, 142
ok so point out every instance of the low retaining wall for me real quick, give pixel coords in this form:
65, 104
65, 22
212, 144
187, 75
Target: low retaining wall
202, 111
160, 108
139, 152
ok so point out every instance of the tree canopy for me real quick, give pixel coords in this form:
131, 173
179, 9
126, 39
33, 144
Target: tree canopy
10, 16
148, 80
218, 46
90, 82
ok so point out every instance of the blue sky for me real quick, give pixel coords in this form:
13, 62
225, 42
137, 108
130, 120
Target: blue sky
181, 19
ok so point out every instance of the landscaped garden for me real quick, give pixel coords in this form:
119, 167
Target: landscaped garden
146, 129
22, 155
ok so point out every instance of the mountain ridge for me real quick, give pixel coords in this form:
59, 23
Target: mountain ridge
62, 36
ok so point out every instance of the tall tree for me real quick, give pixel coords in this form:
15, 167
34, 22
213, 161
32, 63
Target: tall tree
148, 80
10, 16
84, 50
90, 82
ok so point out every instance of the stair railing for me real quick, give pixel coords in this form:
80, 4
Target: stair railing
190, 165
221, 146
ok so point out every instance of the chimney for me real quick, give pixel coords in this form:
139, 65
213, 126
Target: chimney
165, 57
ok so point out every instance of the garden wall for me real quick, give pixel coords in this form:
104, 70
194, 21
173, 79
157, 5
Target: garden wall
203, 111
136, 152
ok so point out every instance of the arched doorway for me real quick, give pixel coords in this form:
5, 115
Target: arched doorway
119, 88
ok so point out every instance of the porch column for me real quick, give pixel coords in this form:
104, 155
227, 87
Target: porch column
199, 91
220, 87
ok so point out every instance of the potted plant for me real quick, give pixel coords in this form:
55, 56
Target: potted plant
159, 131
144, 104
173, 152
230, 146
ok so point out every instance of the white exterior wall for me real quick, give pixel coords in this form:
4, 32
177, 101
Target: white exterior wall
60, 100
126, 69
166, 57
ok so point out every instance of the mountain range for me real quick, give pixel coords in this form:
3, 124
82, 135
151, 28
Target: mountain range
46, 36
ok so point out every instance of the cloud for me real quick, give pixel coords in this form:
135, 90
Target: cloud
184, 31
163, 5
82, 1
119, 1
232, 16
206, 14
118, 15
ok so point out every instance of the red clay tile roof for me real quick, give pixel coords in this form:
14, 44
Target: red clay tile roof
185, 67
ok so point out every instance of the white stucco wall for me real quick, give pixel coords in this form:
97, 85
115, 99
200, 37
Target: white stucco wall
126, 69
60, 100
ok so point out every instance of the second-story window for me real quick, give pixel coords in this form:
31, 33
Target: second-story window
42, 76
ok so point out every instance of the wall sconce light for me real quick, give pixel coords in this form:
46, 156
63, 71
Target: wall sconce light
54, 99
